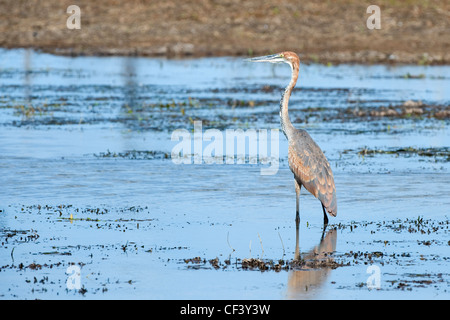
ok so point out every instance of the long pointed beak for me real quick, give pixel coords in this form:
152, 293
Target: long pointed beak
273, 58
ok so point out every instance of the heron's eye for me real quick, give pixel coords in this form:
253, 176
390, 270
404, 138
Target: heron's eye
281, 55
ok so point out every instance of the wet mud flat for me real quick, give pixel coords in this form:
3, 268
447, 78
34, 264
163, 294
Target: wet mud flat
92, 205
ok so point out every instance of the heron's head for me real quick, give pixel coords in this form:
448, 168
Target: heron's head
288, 57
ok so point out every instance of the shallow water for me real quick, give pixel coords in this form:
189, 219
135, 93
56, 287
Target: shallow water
88, 181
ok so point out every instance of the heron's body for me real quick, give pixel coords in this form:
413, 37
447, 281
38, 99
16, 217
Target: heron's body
312, 170
306, 160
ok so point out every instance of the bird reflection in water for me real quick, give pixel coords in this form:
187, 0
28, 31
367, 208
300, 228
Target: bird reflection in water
315, 266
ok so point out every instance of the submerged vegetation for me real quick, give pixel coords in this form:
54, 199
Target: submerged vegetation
408, 110
134, 155
439, 154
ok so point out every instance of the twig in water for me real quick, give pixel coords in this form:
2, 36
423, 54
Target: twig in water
229, 242
12, 255
262, 249
282, 244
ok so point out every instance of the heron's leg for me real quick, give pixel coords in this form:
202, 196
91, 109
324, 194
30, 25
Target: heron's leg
297, 237
325, 218
325, 222
298, 186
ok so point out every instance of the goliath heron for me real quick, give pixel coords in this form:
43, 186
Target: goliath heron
306, 160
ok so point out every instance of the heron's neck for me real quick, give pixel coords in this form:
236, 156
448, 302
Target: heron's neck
286, 125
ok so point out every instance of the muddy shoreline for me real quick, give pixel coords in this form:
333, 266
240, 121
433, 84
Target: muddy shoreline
327, 58
321, 32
